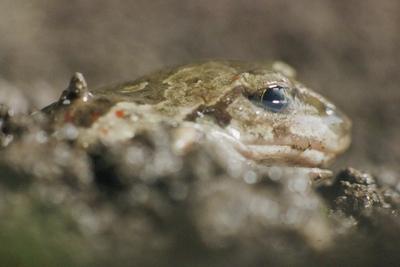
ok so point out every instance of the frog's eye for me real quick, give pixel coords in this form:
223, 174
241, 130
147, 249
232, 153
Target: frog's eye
273, 98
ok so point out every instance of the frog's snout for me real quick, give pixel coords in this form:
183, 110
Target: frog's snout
340, 125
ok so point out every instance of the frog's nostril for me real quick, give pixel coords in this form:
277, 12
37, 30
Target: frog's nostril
336, 115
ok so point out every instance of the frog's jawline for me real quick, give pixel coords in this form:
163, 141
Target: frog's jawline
285, 155
275, 154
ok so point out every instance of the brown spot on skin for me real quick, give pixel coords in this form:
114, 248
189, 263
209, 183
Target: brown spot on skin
218, 110
222, 117
80, 113
68, 117
95, 116
301, 147
236, 77
280, 130
85, 114
198, 112
119, 113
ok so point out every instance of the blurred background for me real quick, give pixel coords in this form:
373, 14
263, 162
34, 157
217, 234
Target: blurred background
347, 50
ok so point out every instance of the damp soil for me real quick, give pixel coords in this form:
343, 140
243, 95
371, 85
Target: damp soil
141, 204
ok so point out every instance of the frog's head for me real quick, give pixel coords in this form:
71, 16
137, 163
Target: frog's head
277, 120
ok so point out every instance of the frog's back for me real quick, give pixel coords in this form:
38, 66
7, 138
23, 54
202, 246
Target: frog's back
183, 85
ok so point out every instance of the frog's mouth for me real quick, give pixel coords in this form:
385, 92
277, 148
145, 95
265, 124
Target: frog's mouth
291, 151
311, 160
295, 150
311, 142
286, 155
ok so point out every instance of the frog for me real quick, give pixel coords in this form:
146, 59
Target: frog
234, 155
253, 114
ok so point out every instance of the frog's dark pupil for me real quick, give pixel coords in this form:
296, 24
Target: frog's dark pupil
274, 98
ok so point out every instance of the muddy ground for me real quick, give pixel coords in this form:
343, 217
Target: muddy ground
347, 50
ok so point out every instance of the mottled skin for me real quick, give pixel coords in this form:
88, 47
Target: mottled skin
217, 102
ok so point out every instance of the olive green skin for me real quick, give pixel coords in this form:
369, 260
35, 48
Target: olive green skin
220, 100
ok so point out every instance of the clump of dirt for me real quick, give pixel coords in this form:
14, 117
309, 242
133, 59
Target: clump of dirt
140, 203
